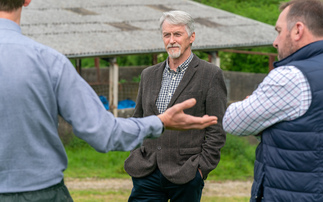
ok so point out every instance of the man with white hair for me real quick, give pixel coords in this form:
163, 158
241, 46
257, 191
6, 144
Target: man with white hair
175, 165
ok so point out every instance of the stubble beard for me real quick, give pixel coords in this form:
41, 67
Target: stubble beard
289, 48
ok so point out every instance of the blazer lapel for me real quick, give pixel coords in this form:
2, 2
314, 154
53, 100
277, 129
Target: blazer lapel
190, 71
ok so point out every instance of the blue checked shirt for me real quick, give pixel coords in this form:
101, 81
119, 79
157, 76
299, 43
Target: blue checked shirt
284, 95
170, 81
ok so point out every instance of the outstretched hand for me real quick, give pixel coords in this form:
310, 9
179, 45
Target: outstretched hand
175, 119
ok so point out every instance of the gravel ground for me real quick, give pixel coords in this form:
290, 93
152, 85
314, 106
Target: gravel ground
211, 188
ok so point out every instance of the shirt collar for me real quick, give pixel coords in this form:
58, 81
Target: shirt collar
183, 66
9, 25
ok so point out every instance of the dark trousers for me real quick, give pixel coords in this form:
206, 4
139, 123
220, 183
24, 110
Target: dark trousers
156, 188
56, 193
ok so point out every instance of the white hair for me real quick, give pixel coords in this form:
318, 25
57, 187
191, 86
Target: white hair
178, 18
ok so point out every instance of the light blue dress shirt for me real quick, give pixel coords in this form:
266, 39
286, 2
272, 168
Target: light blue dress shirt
36, 85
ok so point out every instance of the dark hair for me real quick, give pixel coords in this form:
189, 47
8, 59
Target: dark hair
309, 12
11, 5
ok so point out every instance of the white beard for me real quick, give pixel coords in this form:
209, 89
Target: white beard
173, 54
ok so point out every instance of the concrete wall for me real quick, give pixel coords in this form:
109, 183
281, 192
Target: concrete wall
239, 84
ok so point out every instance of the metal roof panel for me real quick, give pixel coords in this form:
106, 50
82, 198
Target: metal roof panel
80, 28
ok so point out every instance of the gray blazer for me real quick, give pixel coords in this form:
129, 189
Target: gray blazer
178, 154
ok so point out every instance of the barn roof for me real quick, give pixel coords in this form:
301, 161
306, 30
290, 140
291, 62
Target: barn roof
106, 28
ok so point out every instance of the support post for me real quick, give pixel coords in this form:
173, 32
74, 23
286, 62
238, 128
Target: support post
155, 59
113, 86
214, 58
97, 67
272, 59
78, 64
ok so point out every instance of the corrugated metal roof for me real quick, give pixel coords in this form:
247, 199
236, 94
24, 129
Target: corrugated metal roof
103, 28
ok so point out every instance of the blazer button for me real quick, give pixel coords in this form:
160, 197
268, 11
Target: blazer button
159, 147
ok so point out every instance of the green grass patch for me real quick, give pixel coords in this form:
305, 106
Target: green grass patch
121, 196
84, 161
237, 161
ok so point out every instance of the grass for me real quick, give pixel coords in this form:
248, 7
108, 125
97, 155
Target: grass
120, 196
237, 161
86, 162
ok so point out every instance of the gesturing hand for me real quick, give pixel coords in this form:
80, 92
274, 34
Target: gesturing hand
175, 119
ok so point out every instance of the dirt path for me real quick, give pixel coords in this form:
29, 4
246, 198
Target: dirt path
225, 188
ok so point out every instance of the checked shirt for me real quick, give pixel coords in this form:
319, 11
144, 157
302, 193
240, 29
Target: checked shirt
284, 95
170, 81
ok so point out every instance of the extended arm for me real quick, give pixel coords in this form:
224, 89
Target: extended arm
175, 118
80, 106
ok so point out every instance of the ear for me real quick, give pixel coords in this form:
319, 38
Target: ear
27, 2
192, 38
298, 31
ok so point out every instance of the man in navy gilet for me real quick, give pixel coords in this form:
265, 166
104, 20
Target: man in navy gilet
286, 110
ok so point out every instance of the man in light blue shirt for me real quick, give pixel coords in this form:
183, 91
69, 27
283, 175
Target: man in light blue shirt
36, 85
